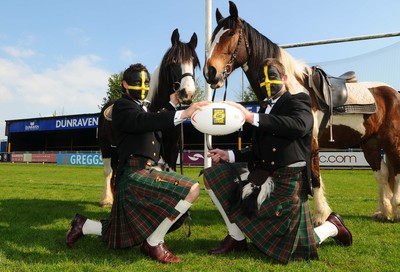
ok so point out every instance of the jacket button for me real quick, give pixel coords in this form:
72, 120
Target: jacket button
274, 149
154, 154
272, 163
152, 142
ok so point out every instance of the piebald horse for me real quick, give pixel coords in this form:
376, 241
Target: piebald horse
235, 43
174, 74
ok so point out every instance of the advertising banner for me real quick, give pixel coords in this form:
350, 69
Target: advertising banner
194, 158
61, 123
88, 159
327, 159
342, 159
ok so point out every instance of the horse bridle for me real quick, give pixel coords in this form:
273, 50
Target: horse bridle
227, 72
175, 87
177, 84
228, 67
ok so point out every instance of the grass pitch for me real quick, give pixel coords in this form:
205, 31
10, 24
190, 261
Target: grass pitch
38, 201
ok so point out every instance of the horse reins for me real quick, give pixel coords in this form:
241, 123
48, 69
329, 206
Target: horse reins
176, 89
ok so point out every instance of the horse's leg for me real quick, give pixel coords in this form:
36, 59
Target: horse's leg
107, 198
396, 198
321, 206
384, 211
372, 153
393, 164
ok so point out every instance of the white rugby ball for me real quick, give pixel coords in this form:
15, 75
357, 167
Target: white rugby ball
218, 119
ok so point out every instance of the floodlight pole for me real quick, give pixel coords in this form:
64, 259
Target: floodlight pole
207, 138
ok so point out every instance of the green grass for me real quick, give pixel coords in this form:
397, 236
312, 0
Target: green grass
37, 203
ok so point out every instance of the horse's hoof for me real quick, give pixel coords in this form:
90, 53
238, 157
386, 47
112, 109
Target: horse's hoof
380, 217
319, 219
105, 204
317, 223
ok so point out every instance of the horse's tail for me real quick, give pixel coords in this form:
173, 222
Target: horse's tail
104, 131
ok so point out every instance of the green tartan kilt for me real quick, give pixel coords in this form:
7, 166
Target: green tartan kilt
282, 228
143, 199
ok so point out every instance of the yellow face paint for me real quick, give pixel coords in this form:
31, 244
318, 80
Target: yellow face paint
267, 83
141, 88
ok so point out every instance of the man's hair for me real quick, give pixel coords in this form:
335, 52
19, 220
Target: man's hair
276, 63
134, 68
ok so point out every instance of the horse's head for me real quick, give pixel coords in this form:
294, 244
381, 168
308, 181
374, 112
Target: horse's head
229, 48
176, 72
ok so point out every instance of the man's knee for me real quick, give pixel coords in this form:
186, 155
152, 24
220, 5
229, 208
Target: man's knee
195, 190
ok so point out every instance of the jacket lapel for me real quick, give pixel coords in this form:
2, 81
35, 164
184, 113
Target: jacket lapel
280, 102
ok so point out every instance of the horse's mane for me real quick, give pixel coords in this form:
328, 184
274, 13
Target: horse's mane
162, 78
153, 84
262, 47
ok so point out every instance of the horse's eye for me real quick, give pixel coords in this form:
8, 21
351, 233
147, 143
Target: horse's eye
231, 33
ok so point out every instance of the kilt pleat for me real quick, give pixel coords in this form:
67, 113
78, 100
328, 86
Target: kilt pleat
143, 199
282, 228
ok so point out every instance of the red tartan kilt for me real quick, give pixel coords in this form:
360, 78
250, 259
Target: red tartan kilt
143, 199
283, 227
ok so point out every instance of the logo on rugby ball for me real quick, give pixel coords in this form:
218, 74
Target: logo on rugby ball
219, 117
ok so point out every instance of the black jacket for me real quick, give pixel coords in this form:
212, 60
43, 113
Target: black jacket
136, 131
283, 136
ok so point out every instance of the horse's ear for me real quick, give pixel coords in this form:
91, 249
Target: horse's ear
175, 37
218, 15
233, 10
193, 41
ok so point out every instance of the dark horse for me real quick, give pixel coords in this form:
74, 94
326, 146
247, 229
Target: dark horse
174, 74
235, 43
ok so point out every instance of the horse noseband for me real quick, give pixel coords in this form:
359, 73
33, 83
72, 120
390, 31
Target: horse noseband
176, 85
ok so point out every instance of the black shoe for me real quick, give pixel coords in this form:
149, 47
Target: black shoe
344, 236
75, 231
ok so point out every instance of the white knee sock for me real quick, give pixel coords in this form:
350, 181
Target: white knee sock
158, 235
233, 229
326, 230
92, 227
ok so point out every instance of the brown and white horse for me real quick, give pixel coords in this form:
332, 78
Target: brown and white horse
235, 43
174, 74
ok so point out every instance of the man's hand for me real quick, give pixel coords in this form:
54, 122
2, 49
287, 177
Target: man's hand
217, 154
187, 113
248, 115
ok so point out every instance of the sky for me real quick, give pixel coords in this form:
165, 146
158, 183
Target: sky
56, 56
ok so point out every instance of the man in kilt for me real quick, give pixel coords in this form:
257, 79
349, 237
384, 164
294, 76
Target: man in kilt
268, 200
147, 201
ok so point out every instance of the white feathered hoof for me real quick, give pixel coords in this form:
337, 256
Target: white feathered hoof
380, 217
106, 203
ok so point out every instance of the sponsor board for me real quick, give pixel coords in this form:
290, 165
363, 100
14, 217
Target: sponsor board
342, 159
195, 158
326, 158
58, 123
88, 159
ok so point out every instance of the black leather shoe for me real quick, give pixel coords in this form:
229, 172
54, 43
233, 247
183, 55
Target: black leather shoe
75, 231
344, 236
229, 244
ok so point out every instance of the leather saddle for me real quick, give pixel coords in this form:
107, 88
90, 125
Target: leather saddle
331, 91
